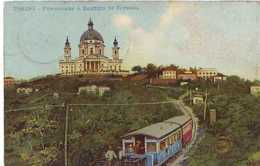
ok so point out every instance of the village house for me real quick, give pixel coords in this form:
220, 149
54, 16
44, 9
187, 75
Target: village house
24, 90
169, 73
206, 73
197, 99
87, 89
102, 90
219, 77
93, 89
255, 90
186, 75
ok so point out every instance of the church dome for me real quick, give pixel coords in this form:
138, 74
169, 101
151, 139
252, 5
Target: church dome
91, 34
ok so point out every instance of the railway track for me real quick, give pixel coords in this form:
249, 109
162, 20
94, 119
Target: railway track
186, 111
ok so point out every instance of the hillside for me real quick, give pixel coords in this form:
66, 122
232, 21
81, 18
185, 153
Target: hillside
36, 137
236, 134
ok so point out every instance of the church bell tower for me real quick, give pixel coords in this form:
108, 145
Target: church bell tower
67, 50
115, 50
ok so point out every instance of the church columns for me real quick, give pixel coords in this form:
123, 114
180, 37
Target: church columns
92, 66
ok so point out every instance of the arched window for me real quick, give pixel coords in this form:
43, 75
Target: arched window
83, 51
91, 50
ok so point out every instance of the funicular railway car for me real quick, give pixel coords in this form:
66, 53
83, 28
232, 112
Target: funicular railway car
186, 124
158, 142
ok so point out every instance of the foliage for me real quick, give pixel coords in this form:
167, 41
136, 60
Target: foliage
31, 138
238, 119
37, 137
137, 69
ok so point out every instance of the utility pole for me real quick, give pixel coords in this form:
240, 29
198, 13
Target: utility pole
66, 136
190, 96
205, 104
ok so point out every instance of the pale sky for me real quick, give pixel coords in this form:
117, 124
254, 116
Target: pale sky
224, 35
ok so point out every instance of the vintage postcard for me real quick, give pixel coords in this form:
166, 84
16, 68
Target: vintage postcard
131, 83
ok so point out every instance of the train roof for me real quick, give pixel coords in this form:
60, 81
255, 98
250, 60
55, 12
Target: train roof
160, 130
181, 120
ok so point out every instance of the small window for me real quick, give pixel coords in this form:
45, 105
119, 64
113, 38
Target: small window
91, 50
151, 147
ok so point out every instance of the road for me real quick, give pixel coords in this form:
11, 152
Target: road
186, 111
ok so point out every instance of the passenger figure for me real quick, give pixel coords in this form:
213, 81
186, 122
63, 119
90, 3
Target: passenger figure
130, 151
139, 148
110, 156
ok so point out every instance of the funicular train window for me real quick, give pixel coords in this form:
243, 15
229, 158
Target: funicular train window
168, 142
179, 134
173, 138
151, 147
129, 147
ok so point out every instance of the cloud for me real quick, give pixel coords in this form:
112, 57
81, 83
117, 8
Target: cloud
123, 21
186, 36
149, 46
174, 9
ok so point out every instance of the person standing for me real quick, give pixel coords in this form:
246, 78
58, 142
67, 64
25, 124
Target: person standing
110, 155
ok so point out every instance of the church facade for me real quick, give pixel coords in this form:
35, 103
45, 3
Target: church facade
91, 59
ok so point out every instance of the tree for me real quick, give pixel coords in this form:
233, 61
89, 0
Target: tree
173, 65
34, 143
137, 69
151, 70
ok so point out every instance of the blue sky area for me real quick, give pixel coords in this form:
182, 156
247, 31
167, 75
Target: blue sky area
224, 35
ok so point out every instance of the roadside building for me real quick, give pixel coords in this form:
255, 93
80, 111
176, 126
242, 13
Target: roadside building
219, 77
102, 90
9, 81
24, 90
206, 73
186, 75
255, 90
168, 73
88, 89
197, 99
93, 89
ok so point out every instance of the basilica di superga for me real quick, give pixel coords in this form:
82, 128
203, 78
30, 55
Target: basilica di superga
91, 59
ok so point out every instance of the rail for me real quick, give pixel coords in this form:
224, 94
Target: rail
125, 162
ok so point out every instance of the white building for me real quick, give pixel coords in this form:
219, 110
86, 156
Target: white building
206, 73
198, 99
91, 59
102, 90
24, 90
88, 89
255, 90
93, 89
219, 77
169, 73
